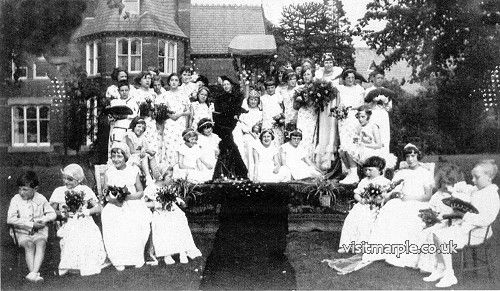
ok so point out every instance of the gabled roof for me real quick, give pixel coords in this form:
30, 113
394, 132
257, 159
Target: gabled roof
155, 16
213, 27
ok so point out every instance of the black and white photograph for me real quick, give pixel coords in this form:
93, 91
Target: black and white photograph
249, 144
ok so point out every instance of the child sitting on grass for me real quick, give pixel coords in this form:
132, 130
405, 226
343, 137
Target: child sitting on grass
171, 233
29, 213
358, 223
487, 202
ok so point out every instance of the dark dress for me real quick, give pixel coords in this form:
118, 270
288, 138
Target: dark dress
229, 163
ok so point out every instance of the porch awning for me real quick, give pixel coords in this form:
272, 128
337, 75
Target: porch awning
252, 44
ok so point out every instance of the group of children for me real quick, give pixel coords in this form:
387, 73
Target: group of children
396, 219
130, 225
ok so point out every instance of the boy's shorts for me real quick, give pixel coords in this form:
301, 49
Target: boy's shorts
24, 239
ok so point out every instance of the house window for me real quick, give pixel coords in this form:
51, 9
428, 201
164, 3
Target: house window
93, 52
19, 72
129, 54
30, 125
167, 56
39, 72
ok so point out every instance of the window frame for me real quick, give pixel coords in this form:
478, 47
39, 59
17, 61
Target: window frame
129, 53
25, 120
166, 58
38, 77
13, 71
92, 46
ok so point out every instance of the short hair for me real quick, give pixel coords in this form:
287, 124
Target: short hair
137, 80
412, 149
267, 130
173, 75
135, 121
208, 94
296, 132
270, 82
376, 162
254, 94
307, 60
154, 69
366, 109
123, 83
116, 72
28, 178
204, 123
187, 133
186, 69
304, 71
448, 174
489, 166
288, 76
156, 79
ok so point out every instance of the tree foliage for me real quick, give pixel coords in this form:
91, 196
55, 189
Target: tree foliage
313, 29
37, 27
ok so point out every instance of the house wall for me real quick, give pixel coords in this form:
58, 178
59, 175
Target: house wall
214, 67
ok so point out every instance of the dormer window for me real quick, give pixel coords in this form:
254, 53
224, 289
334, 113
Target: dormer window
132, 7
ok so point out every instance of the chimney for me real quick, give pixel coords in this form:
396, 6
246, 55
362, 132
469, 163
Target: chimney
183, 16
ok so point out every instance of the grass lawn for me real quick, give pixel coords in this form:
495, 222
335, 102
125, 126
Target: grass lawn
305, 250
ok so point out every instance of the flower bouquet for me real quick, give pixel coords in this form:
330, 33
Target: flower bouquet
279, 120
74, 200
120, 193
323, 93
373, 195
302, 95
340, 112
162, 112
429, 216
166, 196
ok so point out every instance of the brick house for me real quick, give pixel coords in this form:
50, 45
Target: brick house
167, 34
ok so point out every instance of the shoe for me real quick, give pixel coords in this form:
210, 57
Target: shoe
153, 262
31, 276
63, 272
183, 258
169, 260
434, 276
38, 278
138, 266
120, 268
448, 280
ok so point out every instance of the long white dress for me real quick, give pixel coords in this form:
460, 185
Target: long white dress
307, 119
177, 102
359, 222
294, 161
290, 112
209, 149
125, 229
81, 243
327, 132
349, 96
242, 132
200, 111
398, 221
265, 166
171, 233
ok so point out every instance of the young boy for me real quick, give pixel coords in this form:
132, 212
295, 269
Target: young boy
30, 212
487, 202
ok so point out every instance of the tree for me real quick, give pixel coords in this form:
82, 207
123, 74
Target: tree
36, 27
457, 41
313, 29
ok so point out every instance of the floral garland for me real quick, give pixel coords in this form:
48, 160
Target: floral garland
166, 196
74, 200
317, 94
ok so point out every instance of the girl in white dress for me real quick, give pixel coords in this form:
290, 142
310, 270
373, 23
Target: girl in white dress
178, 102
209, 143
191, 164
307, 117
144, 92
117, 76
287, 93
125, 225
267, 161
81, 242
202, 107
272, 110
359, 222
295, 157
171, 233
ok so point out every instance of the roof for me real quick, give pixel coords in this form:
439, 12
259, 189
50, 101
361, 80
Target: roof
252, 44
156, 16
213, 27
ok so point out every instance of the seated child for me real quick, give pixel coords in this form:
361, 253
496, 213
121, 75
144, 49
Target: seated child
487, 202
81, 242
140, 153
449, 181
30, 212
171, 233
295, 158
209, 143
191, 164
359, 221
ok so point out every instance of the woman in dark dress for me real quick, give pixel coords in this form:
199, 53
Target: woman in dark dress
227, 108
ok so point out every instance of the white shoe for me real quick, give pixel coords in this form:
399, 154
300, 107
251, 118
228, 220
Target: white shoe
169, 260
138, 266
63, 272
153, 262
38, 278
183, 258
447, 281
120, 268
434, 276
31, 276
